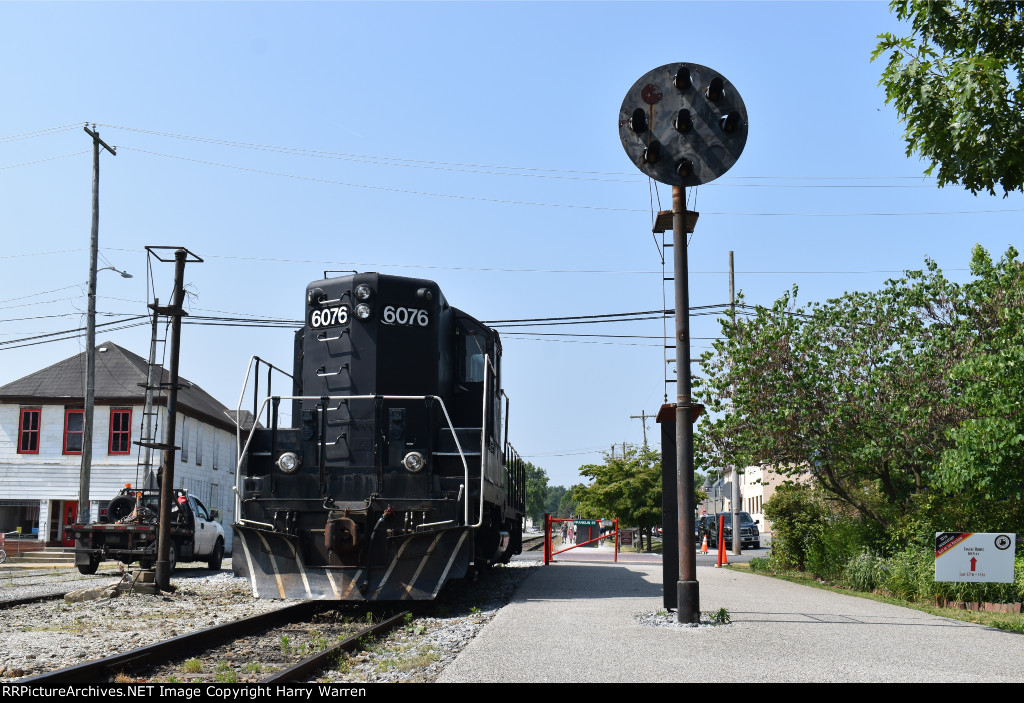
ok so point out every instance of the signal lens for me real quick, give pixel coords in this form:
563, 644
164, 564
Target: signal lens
682, 79
652, 153
729, 122
716, 90
684, 168
638, 122
683, 121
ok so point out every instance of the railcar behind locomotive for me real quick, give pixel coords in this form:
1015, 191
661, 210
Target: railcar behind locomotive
396, 475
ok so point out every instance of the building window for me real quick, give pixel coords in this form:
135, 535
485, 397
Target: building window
216, 448
74, 431
185, 427
28, 431
120, 430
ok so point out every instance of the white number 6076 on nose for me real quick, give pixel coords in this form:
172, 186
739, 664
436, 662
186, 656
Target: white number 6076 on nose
394, 315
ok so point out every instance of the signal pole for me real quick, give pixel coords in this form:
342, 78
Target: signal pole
737, 541
683, 124
85, 474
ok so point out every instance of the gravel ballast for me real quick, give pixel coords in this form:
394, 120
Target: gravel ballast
44, 636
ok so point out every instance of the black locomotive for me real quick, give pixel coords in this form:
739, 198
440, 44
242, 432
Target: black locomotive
397, 475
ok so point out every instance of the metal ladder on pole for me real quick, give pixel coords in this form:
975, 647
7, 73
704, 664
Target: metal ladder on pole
149, 430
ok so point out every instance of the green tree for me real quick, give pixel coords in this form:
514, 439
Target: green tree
627, 487
956, 83
884, 396
554, 499
987, 456
536, 492
567, 506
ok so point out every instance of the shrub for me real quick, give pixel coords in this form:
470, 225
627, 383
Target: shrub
864, 571
795, 512
829, 547
760, 564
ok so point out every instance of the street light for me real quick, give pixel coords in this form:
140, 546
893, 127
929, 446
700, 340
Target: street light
124, 274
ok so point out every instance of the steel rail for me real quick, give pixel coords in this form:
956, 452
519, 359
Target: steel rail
322, 659
93, 671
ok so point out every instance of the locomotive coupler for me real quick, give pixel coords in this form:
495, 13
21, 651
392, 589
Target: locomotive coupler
341, 535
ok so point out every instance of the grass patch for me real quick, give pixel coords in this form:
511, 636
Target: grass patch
1011, 622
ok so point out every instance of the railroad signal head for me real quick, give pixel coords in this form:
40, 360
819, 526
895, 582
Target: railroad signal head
683, 124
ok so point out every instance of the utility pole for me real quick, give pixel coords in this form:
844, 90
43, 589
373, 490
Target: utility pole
85, 475
643, 417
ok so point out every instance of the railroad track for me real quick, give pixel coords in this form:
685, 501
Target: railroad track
531, 544
194, 654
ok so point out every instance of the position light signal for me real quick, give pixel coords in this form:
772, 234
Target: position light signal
683, 124
638, 122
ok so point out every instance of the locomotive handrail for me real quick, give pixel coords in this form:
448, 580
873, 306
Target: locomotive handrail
444, 409
241, 397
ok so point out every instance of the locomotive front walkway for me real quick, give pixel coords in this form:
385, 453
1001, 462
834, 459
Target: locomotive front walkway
577, 621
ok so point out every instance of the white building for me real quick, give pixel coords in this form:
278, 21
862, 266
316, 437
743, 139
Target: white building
41, 433
757, 486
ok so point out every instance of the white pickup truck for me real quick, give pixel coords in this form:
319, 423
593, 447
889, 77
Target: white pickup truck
131, 528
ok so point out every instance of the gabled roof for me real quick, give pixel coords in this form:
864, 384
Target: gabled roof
120, 378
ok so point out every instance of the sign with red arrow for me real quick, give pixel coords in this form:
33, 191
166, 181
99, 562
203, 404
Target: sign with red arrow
974, 556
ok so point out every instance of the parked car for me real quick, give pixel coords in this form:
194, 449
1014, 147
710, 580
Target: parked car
707, 525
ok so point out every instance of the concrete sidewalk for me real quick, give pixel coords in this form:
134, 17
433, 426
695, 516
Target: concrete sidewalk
578, 622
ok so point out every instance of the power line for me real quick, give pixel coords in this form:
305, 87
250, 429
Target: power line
514, 170
39, 161
39, 133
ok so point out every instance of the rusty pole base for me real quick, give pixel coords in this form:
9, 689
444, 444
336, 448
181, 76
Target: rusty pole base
688, 602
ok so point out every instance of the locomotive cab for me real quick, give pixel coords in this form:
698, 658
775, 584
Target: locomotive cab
395, 474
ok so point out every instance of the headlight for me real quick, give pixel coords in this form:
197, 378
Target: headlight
364, 292
363, 311
288, 462
414, 461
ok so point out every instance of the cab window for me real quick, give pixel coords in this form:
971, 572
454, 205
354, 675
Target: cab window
199, 509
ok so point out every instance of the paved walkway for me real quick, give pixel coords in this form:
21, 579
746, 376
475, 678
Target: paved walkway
577, 622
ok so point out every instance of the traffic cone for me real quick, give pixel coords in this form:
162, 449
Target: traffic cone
704, 545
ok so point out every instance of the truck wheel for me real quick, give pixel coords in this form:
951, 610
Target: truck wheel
88, 569
217, 556
172, 559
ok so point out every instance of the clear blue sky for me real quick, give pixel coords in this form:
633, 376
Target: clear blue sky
472, 143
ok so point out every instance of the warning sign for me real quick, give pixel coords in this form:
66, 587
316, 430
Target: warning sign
983, 557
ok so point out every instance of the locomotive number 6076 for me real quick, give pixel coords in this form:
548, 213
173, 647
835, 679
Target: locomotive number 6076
394, 315
329, 317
